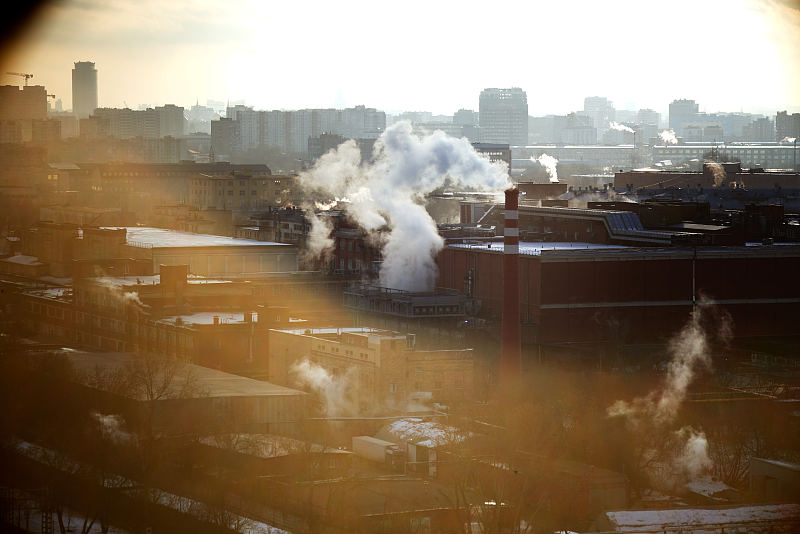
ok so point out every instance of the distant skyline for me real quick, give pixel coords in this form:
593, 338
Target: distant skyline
728, 55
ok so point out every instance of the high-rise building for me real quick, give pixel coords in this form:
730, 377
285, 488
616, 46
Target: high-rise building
503, 116
681, 113
84, 89
760, 130
601, 110
787, 125
171, 121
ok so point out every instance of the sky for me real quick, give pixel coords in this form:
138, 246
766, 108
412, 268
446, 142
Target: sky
728, 55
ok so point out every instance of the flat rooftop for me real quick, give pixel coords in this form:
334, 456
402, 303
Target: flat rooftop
210, 382
535, 248
165, 238
207, 318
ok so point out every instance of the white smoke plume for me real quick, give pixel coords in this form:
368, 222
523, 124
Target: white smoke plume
125, 297
620, 127
550, 164
656, 411
388, 194
319, 242
111, 428
335, 392
689, 350
693, 459
718, 171
668, 136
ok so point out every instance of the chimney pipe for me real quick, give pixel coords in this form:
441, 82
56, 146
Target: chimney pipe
511, 344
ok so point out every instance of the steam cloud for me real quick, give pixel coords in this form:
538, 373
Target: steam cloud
388, 194
111, 428
693, 460
550, 164
718, 171
659, 409
125, 297
620, 127
319, 242
334, 391
668, 136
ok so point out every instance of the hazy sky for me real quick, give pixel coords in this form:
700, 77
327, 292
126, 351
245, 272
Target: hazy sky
432, 55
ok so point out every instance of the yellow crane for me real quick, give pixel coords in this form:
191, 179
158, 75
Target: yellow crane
22, 74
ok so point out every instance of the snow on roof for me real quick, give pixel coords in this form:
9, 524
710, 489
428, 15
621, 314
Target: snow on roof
165, 238
420, 432
124, 281
54, 293
707, 486
21, 259
535, 248
659, 520
208, 318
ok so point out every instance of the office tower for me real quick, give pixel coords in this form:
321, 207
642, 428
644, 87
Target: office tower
84, 89
503, 116
681, 113
601, 110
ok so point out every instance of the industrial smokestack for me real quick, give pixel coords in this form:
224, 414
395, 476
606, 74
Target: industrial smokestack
510, 344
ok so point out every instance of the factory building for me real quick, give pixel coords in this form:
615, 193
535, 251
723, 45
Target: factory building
382, 368
729, 175
781, 155
207, 255
589, 292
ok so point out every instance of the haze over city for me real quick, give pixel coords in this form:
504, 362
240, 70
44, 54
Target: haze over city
431, 56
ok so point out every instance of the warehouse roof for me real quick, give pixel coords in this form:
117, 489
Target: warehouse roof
206, 382
164, 238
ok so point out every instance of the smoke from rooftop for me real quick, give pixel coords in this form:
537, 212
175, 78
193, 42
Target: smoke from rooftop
668, 137
335, 392
387, 194
550, 165
620, 127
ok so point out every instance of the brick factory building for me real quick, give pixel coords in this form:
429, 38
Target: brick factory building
585, 292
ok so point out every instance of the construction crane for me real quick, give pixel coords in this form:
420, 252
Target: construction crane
22, 74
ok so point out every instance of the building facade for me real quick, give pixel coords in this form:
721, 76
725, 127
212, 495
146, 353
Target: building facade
84, 89
503, 115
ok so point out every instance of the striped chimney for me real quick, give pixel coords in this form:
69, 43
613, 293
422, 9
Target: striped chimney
511, 344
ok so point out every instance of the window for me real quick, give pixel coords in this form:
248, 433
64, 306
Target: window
392, 388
